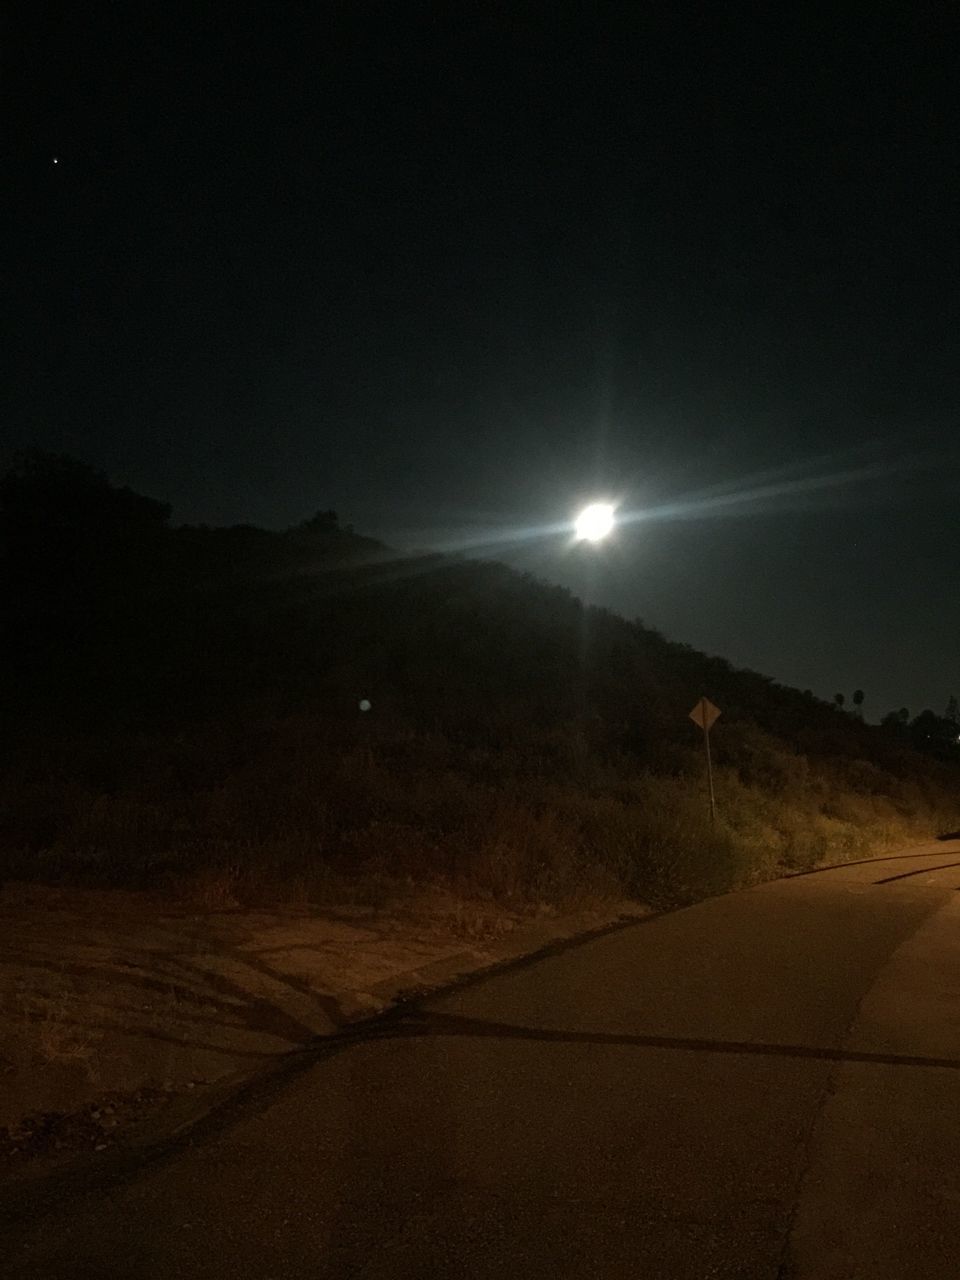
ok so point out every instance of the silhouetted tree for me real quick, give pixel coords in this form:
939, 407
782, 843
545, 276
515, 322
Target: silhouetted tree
322, 522
839, 700
934, 734
952, 712
897, 721
858, 701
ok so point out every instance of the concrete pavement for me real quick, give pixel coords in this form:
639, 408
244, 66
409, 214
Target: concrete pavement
760, 1086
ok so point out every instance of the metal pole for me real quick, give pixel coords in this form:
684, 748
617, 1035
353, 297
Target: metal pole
713, 802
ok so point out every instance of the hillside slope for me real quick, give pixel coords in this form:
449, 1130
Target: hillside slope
186, 701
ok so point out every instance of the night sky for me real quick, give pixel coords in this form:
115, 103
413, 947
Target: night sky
452, 270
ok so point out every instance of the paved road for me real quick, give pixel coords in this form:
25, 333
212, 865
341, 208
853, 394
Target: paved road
765, 1085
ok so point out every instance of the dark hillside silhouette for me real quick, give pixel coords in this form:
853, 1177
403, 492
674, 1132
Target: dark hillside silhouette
186, 696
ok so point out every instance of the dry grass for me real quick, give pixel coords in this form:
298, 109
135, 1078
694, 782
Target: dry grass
298, 818
476, 922
57, 1033
208, 888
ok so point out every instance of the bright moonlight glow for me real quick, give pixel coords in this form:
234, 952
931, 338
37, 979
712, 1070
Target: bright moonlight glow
594, 522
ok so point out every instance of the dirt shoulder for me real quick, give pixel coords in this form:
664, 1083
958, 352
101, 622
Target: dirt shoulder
114, 1004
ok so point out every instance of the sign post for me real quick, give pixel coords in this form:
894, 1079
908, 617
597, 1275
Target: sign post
705, 714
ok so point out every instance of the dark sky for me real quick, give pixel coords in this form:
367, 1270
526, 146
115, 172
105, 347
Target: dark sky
452, 269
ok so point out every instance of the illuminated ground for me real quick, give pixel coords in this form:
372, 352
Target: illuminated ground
760, 1086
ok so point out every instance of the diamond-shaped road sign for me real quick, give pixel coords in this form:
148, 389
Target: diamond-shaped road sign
704, 714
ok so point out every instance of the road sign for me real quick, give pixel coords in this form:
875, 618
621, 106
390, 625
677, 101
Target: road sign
704, 714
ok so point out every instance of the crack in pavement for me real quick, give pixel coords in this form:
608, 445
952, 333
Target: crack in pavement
439, 1024
922, 871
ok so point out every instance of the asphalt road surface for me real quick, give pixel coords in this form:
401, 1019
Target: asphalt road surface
765, 1085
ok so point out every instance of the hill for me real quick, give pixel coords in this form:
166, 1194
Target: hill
186, 702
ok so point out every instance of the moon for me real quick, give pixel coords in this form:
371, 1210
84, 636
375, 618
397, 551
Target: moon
595, 522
